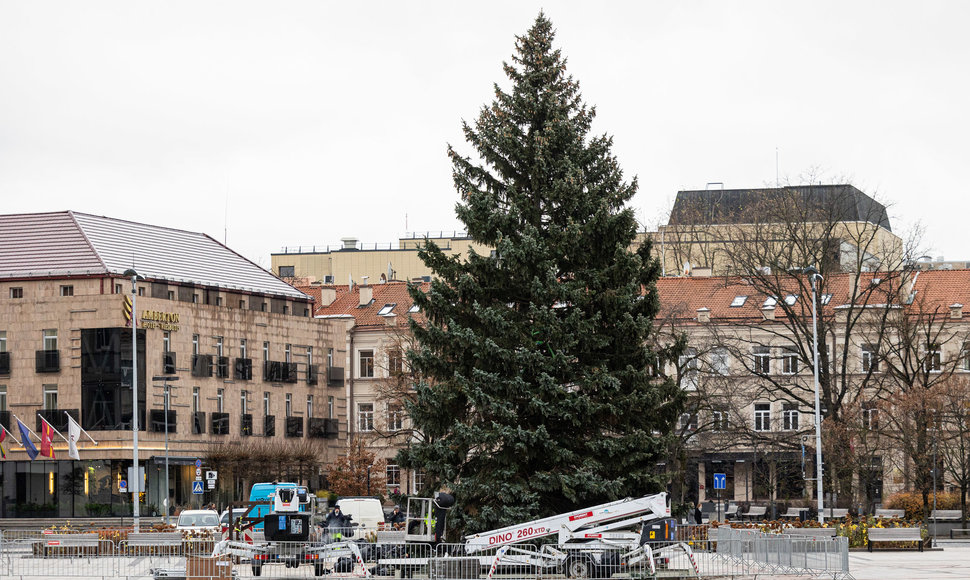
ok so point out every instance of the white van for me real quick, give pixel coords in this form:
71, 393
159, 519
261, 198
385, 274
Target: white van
366, 512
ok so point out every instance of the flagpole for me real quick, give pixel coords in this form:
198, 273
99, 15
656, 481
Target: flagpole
9, 432
48, 423
25, 426
82, 429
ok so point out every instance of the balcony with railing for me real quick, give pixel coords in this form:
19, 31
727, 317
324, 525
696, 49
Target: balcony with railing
220, 423
269, 426
222, 367
168, 363
273, 371
4, 363
312, 374
291, 372
294, 426
243, 369
198, 422
246, 425
48, 361
202, 365
156, 421
335, 376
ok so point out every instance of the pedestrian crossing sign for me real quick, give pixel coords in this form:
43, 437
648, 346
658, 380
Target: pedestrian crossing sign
197, 487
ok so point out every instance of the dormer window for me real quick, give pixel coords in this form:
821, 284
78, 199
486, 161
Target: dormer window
770, 302
738, 301
825, 299
387, 309
414, 308
791, 299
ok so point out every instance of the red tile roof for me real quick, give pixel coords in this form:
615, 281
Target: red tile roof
682, 297
348, 304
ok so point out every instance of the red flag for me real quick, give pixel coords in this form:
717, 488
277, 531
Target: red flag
3, 435
46, 436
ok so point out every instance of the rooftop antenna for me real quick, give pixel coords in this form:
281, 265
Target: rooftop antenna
225, 218
777, 181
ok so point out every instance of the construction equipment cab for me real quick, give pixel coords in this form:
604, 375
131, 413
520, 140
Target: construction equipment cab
265, 494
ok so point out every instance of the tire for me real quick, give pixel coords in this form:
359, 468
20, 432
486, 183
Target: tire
579, 566
257, 570
318, 570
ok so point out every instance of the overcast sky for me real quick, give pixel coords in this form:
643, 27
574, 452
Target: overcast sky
299, 123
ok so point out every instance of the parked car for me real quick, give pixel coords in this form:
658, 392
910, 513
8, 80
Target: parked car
199, 521
226, 520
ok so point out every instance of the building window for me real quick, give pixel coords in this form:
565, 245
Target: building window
309, 356
688, 365
242, 348
395, 417
3, 341
262, 307
395, 362
265, 351
287, 271
934, 358
330, 407
50, 397
869, 361
688, 421
3, 398
289, 405
719, 419
50, 339
195, 344
166, 341
720, 361
964, 354
762, 416
219, 343
790, 417
141, 290
418, 480
118, 289
196, 399
309, 406
789, 360
266, 403
365, 417
243, 401
386, 309
762, 360
329, 357
791, 299
738, 301
171, 294
16, 292
366, 369
220, 400
195, 299
393, 475
67, 290
287, 354
870, 418
242, 304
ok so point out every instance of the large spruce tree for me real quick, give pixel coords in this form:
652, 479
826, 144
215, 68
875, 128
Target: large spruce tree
536, 393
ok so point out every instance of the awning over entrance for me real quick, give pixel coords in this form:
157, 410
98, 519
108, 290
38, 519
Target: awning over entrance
173, 460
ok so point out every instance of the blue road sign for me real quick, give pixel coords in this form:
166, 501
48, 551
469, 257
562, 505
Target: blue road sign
720, 481
123, 486
197, 487
198, 463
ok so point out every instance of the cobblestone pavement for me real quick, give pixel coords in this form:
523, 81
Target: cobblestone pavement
950, 562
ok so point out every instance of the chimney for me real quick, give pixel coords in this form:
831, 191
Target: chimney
390, 319
956, 311
768, 312
704, 315
366, 293
327, 296
702, 272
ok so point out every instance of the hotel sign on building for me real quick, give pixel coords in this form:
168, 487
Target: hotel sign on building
160, 320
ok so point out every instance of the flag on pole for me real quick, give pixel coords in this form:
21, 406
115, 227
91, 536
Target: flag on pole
25, 440
3, 435
46, 438
73, 434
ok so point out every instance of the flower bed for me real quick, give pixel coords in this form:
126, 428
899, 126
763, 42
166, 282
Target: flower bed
855, 529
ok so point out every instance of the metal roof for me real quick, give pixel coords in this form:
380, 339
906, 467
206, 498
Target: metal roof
77, 244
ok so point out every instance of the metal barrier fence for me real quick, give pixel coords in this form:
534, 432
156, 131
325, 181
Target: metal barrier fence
699, 552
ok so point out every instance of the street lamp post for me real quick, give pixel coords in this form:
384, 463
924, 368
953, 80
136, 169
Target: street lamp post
165, 381
813, 277
136, 480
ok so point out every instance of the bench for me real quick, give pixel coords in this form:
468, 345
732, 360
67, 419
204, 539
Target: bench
812, 532
960, 532
755, 511
890, 513
896, 535
731, 511
794, 512
153, 543
836, 513
946, 515
67, 545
